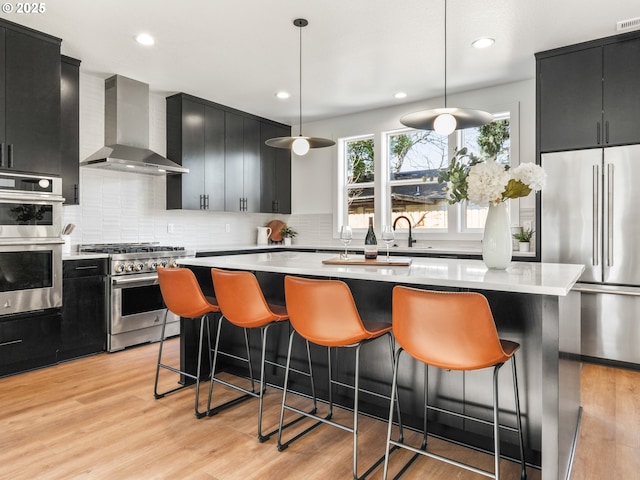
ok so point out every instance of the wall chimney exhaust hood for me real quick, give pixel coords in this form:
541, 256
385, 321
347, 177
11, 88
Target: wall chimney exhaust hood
126, 131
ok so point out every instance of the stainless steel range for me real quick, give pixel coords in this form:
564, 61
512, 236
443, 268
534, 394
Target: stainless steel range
136, 306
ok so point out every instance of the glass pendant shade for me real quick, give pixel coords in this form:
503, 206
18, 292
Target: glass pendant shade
300, 146
445, 124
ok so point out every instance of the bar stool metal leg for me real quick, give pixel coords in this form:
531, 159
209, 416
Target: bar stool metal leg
523, 471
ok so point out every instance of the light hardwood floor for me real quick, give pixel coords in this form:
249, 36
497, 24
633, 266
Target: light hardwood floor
96, 418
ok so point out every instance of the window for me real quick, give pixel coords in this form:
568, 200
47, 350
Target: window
360, 176
398, 176
414, 158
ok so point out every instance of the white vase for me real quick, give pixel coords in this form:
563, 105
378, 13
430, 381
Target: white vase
497, 245
524, 246
287, 241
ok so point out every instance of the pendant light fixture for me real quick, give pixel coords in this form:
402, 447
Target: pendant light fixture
300, 145
445, 120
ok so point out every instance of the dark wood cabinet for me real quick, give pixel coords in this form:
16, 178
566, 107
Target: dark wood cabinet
30, 105
621, 93
275, 181
29, 341
70, 129
223, 150
589, 95
84, 308
242, 163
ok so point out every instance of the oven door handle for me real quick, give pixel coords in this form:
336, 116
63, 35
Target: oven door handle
151, 279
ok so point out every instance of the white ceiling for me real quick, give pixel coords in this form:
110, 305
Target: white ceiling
356, 53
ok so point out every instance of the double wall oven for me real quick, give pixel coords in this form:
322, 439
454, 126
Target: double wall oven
30, 243
136, 306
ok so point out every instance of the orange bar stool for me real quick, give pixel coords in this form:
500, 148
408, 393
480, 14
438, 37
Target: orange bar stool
182, 295
323, 312
452, 331
242, 303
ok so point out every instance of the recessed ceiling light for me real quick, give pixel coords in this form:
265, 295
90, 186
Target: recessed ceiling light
400, 95
483, 42
283, 95
145, 39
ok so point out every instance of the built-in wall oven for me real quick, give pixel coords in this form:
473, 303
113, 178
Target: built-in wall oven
136, 305
30, 243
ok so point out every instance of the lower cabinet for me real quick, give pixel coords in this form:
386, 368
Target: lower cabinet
29, 341
84, 308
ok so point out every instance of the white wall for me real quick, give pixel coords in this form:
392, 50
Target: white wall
317, 196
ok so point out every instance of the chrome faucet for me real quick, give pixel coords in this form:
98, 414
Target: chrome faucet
411, 241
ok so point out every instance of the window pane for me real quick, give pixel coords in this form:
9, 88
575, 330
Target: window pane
361, 206
360, 165
416, 154
423, 203
487, 141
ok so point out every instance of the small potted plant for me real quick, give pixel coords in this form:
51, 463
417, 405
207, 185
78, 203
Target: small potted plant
287, 233
524, 239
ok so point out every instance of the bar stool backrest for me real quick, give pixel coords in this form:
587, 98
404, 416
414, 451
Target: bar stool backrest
181, 292
240, 298
450, 330
323, 311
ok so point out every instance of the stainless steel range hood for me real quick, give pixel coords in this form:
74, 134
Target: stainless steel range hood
126, 131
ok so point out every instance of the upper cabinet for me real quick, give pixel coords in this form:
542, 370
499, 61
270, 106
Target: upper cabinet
275, 171
29, 100
223, 150
589, 95
70, 129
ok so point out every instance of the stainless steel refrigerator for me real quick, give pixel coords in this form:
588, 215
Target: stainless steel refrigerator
591, 215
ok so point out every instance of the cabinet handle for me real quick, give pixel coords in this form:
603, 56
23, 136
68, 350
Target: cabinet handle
12, 342
76, 191
606, 131
206, 202
201, 202
10, 152
598, 134
2, 154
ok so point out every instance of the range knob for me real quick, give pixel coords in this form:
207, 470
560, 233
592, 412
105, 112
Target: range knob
138, 266
173, 263
152, 265
119, 267
128, 267
163, 263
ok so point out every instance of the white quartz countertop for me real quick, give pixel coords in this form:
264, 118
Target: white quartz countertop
520, 277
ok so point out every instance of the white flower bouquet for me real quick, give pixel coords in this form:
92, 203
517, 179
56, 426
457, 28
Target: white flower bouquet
489, 182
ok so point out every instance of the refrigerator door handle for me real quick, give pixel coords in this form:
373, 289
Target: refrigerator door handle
610, 215
595, 258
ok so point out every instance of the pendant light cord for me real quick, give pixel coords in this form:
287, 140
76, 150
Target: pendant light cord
300, 83
445, 53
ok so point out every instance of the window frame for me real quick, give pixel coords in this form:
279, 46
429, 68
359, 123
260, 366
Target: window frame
382, 184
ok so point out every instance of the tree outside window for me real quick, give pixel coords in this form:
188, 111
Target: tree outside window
359, 155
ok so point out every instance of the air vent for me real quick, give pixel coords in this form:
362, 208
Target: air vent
630, 24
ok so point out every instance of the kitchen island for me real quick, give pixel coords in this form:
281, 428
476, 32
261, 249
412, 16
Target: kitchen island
532, 304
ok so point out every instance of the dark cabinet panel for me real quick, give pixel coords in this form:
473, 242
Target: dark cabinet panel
84, 308
29, 341
234, 151
570, 89
251, 164
589, 95
31, 81
275, 172
193, 185
622, 92
70, 129
214, 158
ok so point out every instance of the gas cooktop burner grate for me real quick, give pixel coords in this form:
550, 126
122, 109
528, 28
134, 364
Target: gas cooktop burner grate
112, 248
